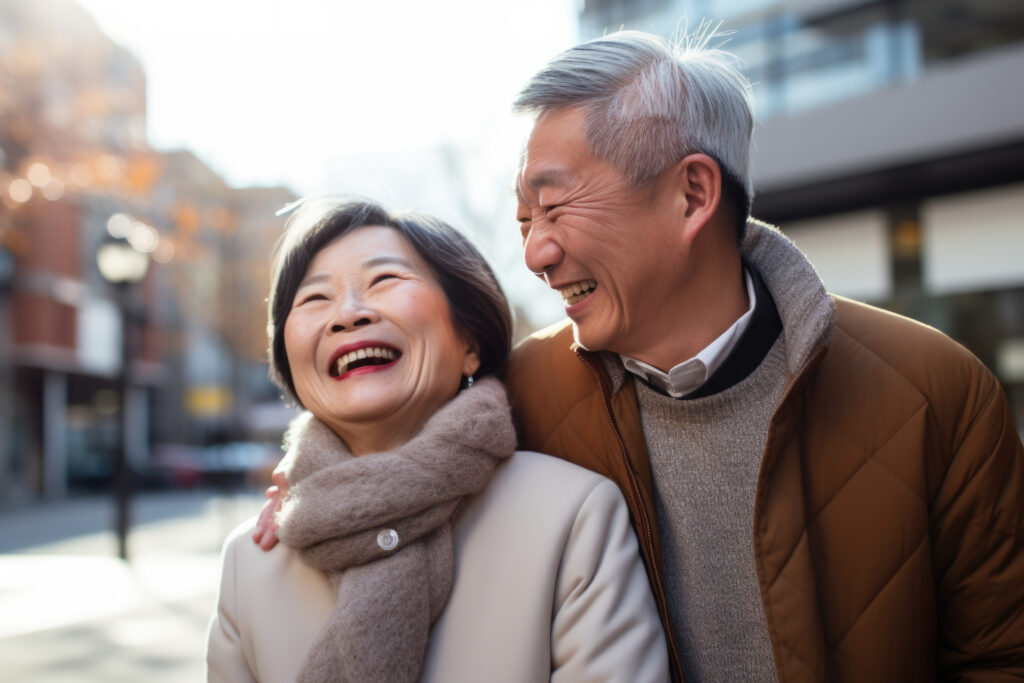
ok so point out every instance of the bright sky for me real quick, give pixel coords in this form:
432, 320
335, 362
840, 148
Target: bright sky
271, 91
353, 96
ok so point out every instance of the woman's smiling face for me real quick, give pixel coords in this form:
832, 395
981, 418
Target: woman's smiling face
370, 340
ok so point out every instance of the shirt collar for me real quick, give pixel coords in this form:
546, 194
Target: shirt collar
689, 375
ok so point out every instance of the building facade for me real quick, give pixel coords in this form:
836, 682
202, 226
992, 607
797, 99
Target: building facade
75, 168
72, 154
889, 147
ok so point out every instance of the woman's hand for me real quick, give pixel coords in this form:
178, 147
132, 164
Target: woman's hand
265, 535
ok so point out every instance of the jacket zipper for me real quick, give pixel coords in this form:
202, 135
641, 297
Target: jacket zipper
645, 520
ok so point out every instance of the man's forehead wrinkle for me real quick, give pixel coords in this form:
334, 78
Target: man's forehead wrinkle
545, 178
535, 182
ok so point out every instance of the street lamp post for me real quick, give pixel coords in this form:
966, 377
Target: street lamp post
6, 366
124, 267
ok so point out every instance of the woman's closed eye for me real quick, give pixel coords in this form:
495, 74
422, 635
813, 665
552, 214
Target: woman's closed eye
380, 277
312, 296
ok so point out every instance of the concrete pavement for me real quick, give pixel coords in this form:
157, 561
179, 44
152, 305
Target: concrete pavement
71, 611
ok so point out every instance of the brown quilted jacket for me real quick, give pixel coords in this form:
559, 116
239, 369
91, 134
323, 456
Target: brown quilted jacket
889, 513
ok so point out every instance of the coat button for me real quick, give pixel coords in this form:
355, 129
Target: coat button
387, 539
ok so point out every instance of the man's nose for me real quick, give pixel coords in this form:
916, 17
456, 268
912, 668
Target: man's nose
541, 250
352, 312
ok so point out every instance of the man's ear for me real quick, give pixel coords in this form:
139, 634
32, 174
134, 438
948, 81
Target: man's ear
700, 183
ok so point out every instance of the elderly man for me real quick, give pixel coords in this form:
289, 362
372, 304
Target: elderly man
822, 490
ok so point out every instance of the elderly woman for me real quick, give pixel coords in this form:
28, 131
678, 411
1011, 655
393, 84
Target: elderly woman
416, 543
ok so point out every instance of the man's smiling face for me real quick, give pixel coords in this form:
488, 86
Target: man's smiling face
606, 246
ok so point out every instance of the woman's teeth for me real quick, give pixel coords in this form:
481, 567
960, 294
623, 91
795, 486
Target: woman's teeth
577, 291
371, 355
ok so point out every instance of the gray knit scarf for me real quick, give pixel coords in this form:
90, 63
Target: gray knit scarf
380, 527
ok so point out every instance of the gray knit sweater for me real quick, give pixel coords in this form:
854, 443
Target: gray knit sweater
705, 459
705, 456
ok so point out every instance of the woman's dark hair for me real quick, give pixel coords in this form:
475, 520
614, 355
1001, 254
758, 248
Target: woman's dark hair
478, 305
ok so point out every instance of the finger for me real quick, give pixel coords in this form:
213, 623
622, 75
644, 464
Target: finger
260, 530
269, 540
264, 520
267, 513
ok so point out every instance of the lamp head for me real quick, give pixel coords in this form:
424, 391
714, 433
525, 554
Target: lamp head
120, 263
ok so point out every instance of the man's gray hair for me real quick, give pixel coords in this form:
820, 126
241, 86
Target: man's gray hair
650, 102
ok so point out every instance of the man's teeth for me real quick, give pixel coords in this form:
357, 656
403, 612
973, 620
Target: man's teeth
577, 291
371, 352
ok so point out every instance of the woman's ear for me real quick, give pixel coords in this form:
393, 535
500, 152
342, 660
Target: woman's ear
471, 363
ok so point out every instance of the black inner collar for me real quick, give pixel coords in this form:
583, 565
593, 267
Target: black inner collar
764, 328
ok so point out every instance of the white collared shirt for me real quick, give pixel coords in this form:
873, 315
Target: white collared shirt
690, 375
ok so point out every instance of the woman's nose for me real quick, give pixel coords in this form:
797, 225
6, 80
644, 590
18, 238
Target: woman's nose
353, 312
541, 250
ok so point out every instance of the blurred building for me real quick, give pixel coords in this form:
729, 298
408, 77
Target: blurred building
261, 413
74, 161
72, 147
889, 148
216, 337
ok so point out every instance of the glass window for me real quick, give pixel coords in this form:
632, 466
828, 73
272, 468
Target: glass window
728, 9
951, 29
832, 59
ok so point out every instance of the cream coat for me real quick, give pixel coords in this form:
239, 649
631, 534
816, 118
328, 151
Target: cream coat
548, 585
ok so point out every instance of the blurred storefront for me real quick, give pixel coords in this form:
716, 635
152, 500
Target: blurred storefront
76, 172
63, 352
889, 148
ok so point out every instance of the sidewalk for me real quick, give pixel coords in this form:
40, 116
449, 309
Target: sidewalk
70, 611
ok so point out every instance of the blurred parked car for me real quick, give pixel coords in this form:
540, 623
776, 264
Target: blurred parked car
228, 466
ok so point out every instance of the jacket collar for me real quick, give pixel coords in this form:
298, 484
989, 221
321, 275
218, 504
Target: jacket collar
807, 312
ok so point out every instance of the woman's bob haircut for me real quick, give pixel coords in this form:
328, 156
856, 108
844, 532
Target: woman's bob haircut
478, 306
